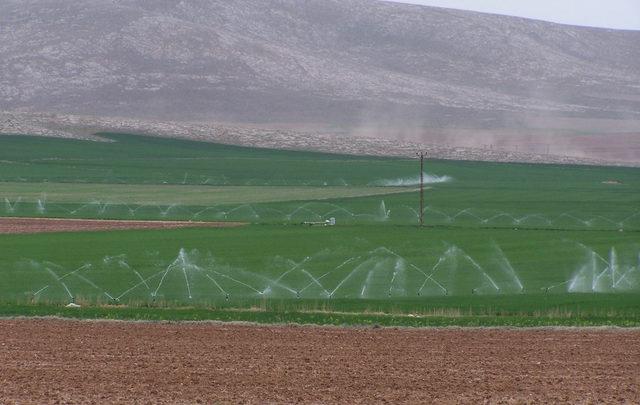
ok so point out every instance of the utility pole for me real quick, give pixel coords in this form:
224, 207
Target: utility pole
421, 155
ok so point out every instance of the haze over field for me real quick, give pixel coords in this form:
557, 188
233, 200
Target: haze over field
362, 67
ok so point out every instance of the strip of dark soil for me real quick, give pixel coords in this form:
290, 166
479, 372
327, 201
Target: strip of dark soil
40, 225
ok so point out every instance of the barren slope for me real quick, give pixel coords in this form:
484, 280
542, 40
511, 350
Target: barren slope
359, 64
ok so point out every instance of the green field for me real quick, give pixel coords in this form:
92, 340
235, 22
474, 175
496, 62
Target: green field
138, 195
511, 244
147, 178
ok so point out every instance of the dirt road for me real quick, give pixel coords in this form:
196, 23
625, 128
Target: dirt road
45, 361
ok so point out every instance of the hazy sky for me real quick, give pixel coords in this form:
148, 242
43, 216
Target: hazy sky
622, 14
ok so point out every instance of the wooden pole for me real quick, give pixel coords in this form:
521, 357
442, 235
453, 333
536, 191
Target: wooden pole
421, 156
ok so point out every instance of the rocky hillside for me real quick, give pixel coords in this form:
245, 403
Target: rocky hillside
329, 63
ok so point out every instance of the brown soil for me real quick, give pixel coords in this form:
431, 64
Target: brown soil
46, 361
39, 225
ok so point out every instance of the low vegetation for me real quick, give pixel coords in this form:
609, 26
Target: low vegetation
505, 244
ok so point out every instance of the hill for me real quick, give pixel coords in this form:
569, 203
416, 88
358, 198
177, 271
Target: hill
366, 67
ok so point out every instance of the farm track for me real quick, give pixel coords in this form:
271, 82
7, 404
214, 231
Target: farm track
51, 361
42, 225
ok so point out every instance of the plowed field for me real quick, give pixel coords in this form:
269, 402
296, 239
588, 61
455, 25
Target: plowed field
47, 361
39, 225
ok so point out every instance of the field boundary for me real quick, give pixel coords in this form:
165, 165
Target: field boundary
604, 328
337, 319
29, 225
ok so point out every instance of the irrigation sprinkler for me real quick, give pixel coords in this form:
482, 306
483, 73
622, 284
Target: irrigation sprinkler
421, 156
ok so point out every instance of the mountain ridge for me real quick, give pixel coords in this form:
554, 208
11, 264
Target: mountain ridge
348, 64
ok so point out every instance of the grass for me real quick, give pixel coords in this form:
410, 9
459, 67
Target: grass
131, 159
185, 195
244, 268
508, 244
278, 316
175, 179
